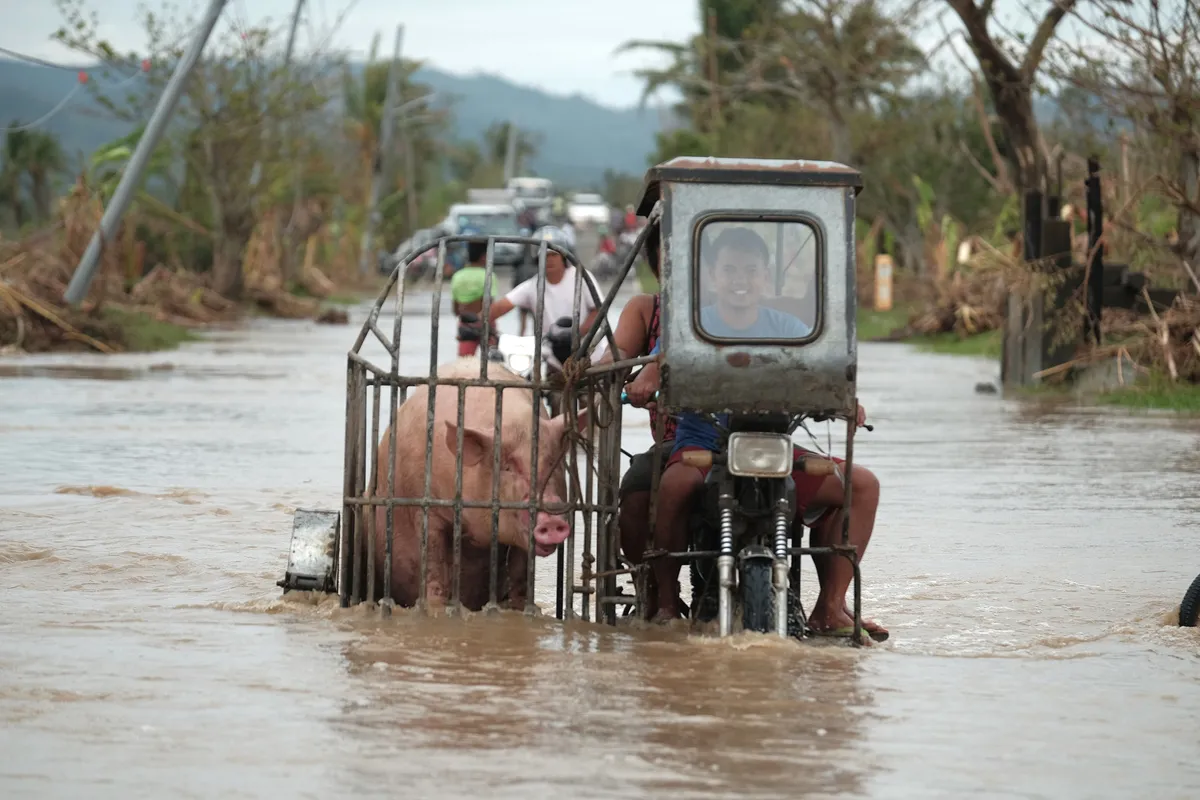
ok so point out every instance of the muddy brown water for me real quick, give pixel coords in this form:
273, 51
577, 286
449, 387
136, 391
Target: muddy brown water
1028, 561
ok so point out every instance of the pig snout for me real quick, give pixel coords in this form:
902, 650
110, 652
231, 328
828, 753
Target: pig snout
549, 533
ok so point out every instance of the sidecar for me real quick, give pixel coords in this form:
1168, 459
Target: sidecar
724, 229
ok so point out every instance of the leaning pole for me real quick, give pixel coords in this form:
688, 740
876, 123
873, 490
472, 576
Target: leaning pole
77, 289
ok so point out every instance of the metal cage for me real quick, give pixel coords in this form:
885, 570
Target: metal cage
587, 563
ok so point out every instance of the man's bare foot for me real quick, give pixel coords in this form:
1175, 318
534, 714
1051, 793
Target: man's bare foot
842, 624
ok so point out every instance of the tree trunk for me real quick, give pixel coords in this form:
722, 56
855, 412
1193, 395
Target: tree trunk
41, 194
229, 252
1014, 107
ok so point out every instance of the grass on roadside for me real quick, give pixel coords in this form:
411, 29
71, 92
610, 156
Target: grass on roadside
1159, 392
141, 333
984, 344
874, 324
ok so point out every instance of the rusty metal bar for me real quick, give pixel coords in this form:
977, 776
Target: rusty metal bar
531, 572
387, 379
610, 496
386, 601
622, 273
456, 579
360, 487
375, 309
565, 599
381, 336
344, 543
589, 498
485, 342
369, 516
494, 548
435, 313
416, 502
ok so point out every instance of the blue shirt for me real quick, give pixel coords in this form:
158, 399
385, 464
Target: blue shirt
693, 430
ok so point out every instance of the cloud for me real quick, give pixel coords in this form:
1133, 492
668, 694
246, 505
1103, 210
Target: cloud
562, 46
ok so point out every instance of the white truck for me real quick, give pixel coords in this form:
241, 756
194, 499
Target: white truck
491, 196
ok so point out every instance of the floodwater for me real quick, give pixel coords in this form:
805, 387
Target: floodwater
1028, 561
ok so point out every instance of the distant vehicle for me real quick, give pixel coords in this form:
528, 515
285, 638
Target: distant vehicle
533, 192
491, 219
424, 263
588, 209
491, 196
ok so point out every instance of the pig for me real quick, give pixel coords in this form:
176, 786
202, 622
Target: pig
551, 528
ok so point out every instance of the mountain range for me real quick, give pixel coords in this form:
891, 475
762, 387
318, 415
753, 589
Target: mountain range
578, 138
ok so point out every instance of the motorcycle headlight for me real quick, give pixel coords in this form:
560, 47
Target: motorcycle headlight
520, 362
760, 455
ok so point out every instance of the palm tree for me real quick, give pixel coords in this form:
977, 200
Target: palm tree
43, 160
12, 172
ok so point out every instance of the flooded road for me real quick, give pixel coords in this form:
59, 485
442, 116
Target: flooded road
1027, 560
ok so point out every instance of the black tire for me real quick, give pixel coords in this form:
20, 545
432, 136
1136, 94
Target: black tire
1189, 609
705, 602
758, 595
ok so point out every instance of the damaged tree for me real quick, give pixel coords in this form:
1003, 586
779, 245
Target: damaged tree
1145, 73
217, 133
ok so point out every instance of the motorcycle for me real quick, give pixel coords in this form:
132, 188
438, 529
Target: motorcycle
741, 543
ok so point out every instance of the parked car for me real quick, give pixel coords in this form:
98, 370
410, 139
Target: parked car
425, 263
587, 209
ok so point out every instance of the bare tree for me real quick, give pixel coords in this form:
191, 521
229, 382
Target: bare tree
1011, 77
1141, 61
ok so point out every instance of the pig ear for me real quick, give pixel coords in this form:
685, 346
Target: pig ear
476, 444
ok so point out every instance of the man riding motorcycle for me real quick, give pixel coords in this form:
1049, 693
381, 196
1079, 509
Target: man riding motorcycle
558, 301
740, 277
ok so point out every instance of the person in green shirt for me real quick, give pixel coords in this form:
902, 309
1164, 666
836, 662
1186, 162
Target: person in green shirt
466, 292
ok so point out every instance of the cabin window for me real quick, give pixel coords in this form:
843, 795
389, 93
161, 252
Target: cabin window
757, 280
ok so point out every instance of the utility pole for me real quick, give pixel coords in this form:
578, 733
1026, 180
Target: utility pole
510, 152
410, 180
77, 289
297, 183
383, 153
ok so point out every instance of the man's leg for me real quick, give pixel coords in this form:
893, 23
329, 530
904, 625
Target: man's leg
835, 572
676, 491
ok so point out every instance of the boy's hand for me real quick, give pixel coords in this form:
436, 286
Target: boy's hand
643, 387
861, 418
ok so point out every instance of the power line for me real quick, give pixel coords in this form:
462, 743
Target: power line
62, 104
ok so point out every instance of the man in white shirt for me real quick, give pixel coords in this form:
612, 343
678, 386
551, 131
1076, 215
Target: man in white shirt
559, 297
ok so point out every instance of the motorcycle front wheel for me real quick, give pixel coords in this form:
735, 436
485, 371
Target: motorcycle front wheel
1189, 609
758, 595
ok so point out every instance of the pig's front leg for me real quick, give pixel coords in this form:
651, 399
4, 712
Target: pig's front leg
437, 587
518, 578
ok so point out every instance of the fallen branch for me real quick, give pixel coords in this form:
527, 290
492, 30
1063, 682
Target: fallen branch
69, 330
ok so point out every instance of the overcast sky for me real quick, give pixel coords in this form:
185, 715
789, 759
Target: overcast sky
563, 46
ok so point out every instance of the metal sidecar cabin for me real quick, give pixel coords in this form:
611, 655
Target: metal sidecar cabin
803, 214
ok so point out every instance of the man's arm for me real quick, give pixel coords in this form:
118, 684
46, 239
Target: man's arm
499, 309
633, 328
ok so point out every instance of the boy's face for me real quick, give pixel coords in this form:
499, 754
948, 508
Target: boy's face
555, 268
739, 278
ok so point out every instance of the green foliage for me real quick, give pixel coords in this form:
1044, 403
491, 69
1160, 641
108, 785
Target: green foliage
139, 332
